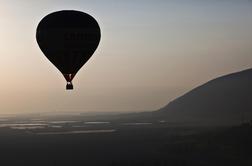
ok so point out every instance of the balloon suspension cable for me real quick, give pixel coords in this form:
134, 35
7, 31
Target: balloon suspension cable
69, 86
69, 78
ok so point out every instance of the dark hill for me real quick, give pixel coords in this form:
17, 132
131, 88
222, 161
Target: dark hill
224, 100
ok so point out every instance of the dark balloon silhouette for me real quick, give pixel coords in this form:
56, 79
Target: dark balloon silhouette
68, 39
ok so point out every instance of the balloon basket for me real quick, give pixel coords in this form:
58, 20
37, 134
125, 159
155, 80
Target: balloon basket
69, 86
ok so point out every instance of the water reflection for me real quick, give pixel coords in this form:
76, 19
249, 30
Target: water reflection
56, 126
95, 123
77, 132
3, 119
64, 121
136, 124
78, 126
22, 124
27, 127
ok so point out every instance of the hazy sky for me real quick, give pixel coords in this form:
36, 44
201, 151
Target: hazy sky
150, 53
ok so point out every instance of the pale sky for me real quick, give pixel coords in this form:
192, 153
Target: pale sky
150, 53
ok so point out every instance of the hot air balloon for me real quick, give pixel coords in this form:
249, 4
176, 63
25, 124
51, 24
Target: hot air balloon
68, 39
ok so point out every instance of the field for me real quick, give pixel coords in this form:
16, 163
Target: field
59, 143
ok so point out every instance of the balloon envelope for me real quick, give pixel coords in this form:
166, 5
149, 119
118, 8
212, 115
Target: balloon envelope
68, 39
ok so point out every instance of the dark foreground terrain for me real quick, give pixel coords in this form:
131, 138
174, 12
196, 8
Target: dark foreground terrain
78, 143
